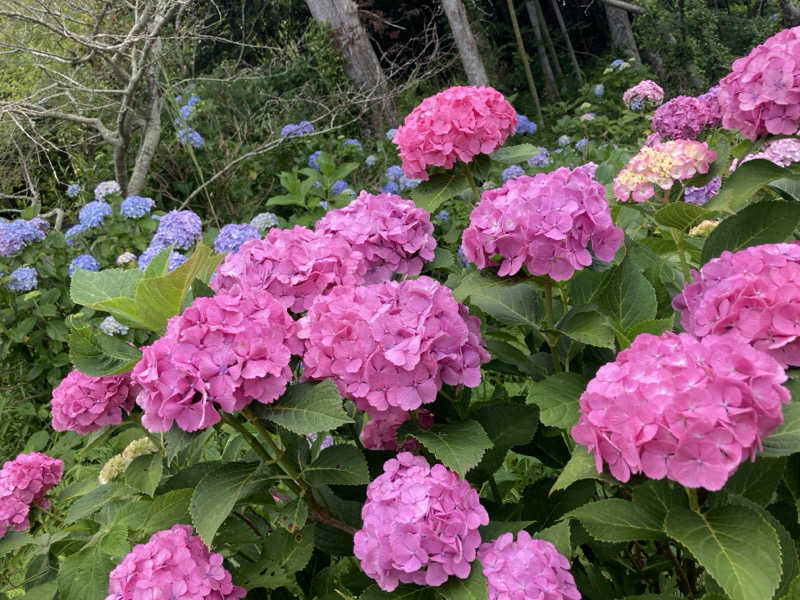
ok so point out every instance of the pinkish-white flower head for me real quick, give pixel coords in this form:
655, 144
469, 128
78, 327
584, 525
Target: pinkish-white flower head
220, 354
782, 152
172, 565
753, 294
393, 344
454, 125
761, 94
293, 265
84, 404
525, 569
678, 407
544, 222
420, 524
661, 165
646, 92
24, 482
392, 234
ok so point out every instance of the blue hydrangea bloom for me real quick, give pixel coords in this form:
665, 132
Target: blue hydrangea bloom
540, 159
407, 183
599, 90
135, 207
581, 144
442, 216
354, 143
17, 234
617, 63
701, 194
312, 159
73, 189
70, 233
175, 258
110, 326
187, 135
390, 133
512, 172
371, 159
294, 129
563, 140
41, 226
264, 221
180, 228
93, 213
104, 188
23, 279
83, 261
390, 187
323, 205
394, 173
462, 260
524, 126
231, 236
338, 187
637, 104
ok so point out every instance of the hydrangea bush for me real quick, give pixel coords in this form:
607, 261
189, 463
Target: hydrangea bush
591, 400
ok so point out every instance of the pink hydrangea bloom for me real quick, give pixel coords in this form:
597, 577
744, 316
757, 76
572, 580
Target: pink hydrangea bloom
709, 106
294, 265
24, 482
544, 222
220, 354
526, 569
678, 407
420, 524
754, 294
83, 404
172, 565
392, 234
391, 344
783, 152
646, 91
761, 94
682, 117
380, 432
455, 124
661, 165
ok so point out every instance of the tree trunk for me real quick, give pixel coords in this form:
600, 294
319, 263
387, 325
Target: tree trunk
465, 41
526, 65
548, 40
564, 31
152, 129
551, 89
790, 14
360, 61
621, 32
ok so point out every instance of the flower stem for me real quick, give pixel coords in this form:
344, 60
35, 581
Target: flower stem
548, 308
691, 493
678, 236
471, 179
248, 437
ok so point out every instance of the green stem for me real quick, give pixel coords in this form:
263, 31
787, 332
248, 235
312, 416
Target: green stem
691, 493
548, 307
495, 492
248, 437
678, 236
471, 179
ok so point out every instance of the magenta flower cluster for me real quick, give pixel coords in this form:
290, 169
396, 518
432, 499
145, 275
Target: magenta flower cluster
380, 431
392, 234
420, 524
753, 294
454, 125
678, 407
220, 354
526, 569
684, 117
761, 94
172, 565
24, 482
293, 265
393, 344
544, 222
84, 404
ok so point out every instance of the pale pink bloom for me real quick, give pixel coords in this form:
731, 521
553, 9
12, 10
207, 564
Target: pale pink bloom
455, 124
420, 524
646, 91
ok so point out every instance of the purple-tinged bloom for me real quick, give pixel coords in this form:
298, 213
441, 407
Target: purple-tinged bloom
338, 187
264, 221
73, 189
701, 194
17, 234
599, 90
540, 159
354, 143
181, 228
442, 216
312, 159
233, 235
83, 261
175, 258
371, 159
93, 213
394, 173
70, 233
581, 144
189, 136
390, 133
512, 172
104, 188
390, 187
23, 279
524, 126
